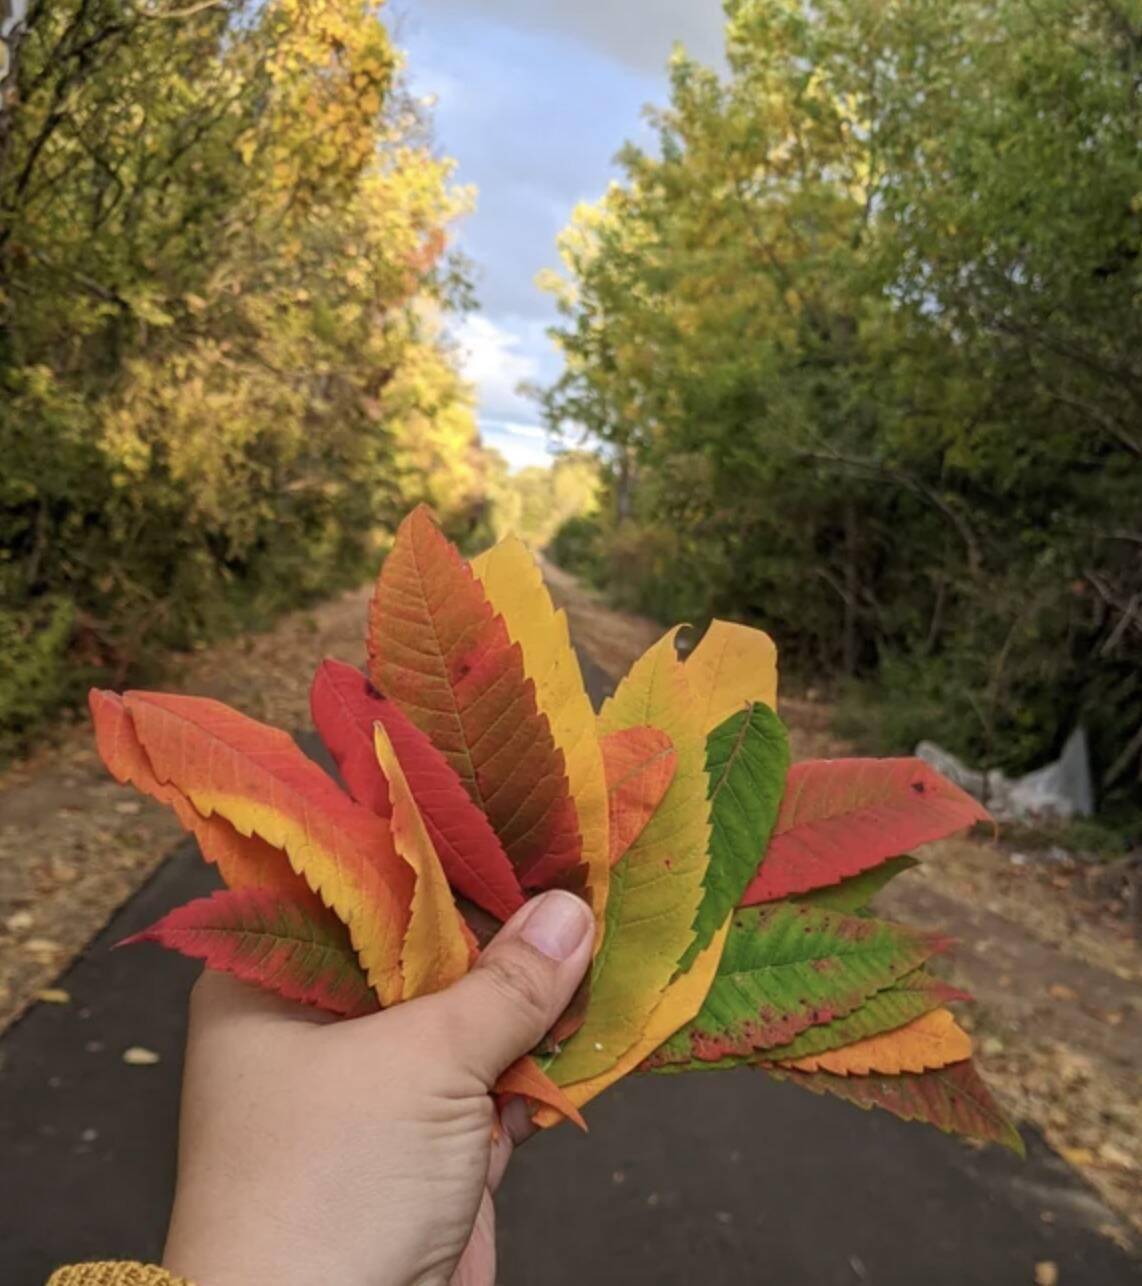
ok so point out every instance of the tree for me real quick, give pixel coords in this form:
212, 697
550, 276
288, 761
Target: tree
223, 263
860, 339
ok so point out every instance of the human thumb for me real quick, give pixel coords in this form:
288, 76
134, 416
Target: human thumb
522, 982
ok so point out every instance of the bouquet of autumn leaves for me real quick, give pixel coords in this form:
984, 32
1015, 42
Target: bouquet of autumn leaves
729, 887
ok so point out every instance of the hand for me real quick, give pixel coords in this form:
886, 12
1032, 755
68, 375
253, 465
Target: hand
360, 1152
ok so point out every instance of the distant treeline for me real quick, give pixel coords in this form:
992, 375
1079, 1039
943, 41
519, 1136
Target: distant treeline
861, 340
223, 261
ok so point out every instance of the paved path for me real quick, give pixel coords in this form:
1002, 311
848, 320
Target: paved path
718, 1180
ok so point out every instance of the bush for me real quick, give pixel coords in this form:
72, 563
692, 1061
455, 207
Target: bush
577, 547
39, 672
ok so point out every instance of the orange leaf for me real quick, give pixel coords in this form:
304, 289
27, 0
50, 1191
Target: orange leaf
438, 946
526, 1078
258, 779
244, 861
933, 1040
437, 649
639, 765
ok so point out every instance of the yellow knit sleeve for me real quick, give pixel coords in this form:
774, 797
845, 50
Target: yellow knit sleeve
114, 1274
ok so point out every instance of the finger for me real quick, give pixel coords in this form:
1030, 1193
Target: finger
516, 1127
521, 983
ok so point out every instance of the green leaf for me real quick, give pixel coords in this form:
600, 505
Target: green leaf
786, 968
855, 893
747, 758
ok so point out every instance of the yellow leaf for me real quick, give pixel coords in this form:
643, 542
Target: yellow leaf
515, 588
732, 665
680, 1002
655, 889
933, 1040
54, 996
436, 950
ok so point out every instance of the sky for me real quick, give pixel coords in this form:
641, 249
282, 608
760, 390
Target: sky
533, 100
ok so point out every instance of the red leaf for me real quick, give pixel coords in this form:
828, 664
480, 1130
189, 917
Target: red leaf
472, 856
639, 764
438, 947
440, 652
954, 1099
842, 816
299, 950
526, 1078
344, 708
244, 861
259, 780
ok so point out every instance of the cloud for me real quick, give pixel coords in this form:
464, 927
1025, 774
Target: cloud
495, 360
637, 33
521, 451
533, 99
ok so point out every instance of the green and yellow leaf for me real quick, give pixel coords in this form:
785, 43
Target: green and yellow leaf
656, 888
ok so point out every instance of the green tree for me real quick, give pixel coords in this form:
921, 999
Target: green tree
224, 265
860, 340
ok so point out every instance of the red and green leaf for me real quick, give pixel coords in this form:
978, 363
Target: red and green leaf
909, 997
473, 858
747, 758
954, 1099
855, 893
842, 816
298, 950
639, 764
438, 650
258, 779
786, 968
915, 994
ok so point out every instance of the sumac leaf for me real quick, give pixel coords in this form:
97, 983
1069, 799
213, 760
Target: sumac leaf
300, 951
842, 816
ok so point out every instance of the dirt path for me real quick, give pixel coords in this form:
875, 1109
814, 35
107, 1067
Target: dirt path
1055, 974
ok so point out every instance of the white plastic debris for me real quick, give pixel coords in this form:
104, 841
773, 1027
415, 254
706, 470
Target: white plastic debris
1057, 791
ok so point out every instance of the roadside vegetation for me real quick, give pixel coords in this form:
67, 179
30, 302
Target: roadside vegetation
858, 343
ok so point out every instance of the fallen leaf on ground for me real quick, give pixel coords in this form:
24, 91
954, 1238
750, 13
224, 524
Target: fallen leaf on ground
139, 1056
54, 996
